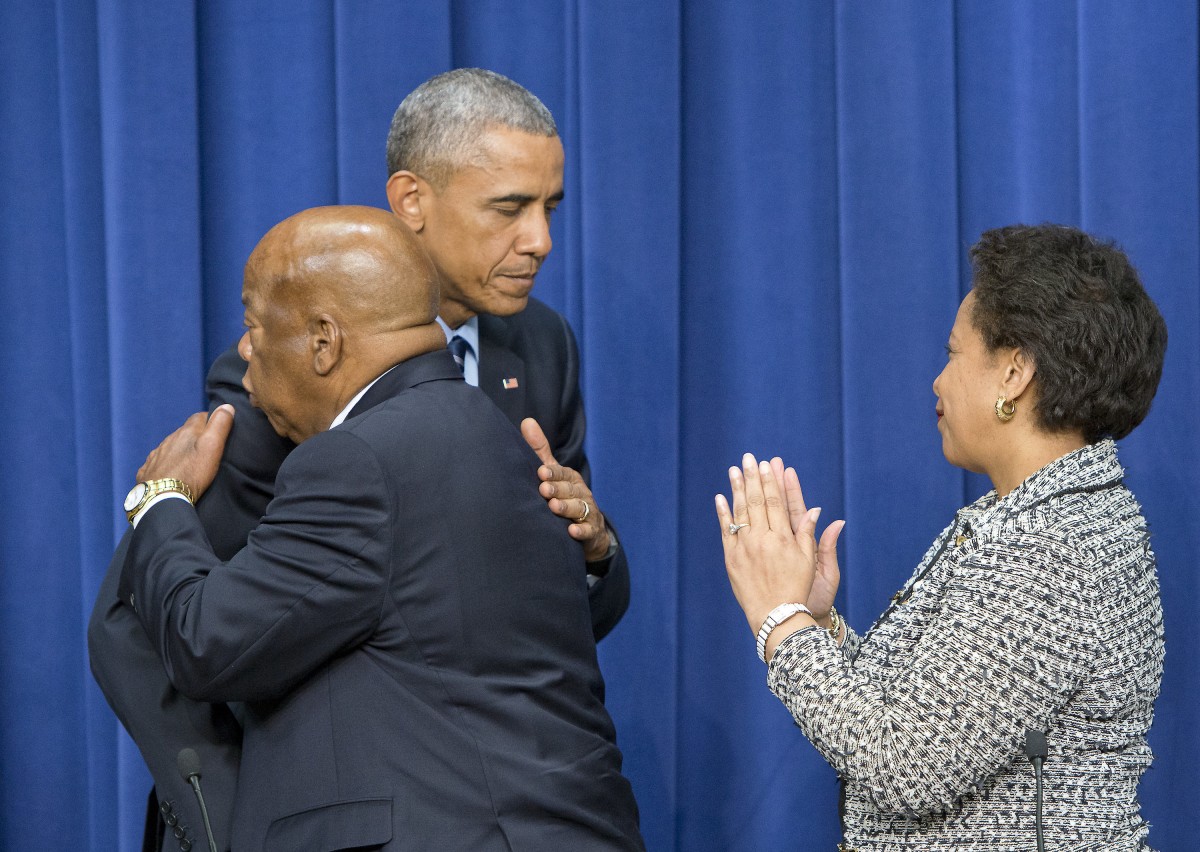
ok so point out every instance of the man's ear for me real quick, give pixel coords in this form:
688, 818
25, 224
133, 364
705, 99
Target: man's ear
1019, 371
325, 339
408, 194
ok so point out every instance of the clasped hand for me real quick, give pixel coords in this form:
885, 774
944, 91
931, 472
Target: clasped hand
567, 495
776, 558
192, 453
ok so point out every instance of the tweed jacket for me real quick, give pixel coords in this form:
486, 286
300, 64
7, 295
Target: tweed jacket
1037, 611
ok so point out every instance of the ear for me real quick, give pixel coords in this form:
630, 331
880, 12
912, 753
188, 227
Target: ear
325, 341
408, 196
1019, 371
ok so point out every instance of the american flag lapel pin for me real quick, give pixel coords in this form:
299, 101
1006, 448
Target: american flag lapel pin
510, 383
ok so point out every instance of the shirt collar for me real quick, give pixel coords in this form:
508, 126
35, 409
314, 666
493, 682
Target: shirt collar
468, 331
337, 421
1089, 468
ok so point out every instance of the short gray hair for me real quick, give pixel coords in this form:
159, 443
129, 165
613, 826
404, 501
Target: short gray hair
436, 129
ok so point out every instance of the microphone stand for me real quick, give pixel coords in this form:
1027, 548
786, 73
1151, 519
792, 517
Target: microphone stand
1035, 748
189, 767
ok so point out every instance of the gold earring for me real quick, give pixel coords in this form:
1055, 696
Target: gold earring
1005, 409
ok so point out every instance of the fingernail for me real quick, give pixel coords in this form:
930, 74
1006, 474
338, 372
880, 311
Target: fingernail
815, 513
747, 461
764, 468
734, 473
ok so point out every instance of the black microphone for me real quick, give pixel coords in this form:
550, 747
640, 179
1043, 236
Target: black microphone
1035, 747
189, 767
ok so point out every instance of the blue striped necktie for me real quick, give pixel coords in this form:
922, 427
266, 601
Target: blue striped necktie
459, 348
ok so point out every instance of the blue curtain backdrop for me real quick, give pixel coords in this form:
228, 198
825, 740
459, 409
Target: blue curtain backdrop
762, 248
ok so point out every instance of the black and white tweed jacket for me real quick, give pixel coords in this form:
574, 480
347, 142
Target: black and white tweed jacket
1037, 611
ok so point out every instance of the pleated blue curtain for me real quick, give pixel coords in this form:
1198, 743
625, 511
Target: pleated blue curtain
762, 248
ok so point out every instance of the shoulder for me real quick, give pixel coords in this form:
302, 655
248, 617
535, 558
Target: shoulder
539, 315
334, 456
1106, 531
228, 369
416, 422
1034, 559
1067, 547
539, 327
1094, 524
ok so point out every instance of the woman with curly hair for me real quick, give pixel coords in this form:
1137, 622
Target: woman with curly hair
1036, 611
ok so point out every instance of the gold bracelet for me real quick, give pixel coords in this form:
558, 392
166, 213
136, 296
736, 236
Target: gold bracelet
835, 623
144, 492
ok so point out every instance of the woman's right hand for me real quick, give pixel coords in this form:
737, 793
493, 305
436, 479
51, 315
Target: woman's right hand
768, 536
828, 574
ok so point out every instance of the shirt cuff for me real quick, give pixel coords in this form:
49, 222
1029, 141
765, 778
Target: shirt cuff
155, 500
598, 569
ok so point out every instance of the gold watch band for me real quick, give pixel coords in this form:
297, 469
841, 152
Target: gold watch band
154, 487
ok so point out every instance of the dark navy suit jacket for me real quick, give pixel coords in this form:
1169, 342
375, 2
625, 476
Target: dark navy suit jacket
535, 347
409, 630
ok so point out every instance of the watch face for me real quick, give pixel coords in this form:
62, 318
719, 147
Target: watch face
135, 496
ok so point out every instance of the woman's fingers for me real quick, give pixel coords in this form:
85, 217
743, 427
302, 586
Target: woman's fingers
768, 495
737, 491
795, 498
829, 539
805, 536
752, 495
724, 518
773, 499
777, 471
827, 559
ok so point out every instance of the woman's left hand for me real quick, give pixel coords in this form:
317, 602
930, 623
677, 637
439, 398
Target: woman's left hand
768, 564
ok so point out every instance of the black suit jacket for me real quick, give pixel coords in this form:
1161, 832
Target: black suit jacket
409, 629
536, 347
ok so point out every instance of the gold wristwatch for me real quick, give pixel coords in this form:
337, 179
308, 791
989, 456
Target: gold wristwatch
144, 492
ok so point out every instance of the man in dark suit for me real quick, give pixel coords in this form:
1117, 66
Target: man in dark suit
408, 626
476, 169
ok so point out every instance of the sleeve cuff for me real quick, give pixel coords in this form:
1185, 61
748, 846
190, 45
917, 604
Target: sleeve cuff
154, 501
599, 568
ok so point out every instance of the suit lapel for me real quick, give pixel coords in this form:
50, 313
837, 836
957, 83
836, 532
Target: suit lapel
501, 370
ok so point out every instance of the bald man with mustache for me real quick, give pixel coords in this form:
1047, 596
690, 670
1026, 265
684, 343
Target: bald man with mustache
408, 627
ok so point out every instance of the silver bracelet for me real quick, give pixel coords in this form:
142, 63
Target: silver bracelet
774, 618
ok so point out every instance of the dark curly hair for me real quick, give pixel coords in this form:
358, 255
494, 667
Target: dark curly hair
1074, 305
